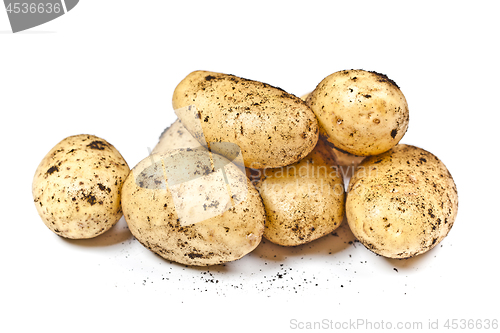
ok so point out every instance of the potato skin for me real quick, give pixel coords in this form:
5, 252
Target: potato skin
342, 158
153, 218
362, 113
303, 201
401, 203
272, 127
77, 187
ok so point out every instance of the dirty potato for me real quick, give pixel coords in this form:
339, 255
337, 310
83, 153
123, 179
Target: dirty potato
360, 112
303, 201
272, 128
193, 207
77, 187
401, 203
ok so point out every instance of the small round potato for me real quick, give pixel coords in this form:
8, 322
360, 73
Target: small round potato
303, 201
362, 113
401, 203
77, 187
193, 207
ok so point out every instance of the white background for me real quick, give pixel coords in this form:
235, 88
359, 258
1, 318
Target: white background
109, 68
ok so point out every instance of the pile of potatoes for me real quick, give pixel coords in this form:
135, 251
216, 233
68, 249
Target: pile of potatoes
246, 160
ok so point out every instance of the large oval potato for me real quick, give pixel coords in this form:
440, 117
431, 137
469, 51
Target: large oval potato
362, 113
401, 203
272, 127
193, 207
303, 201
77, 187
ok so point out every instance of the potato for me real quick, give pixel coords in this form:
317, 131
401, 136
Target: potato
401, 203
361, 113
174, 137
272, 128
303, 201
77, 187
193, 207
